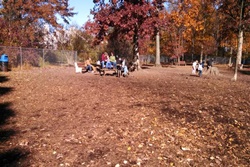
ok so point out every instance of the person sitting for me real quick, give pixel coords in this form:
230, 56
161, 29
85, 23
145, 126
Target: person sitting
108, 63
112, 60
89, 66
104, 59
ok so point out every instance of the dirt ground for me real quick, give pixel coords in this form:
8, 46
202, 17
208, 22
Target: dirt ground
155, 117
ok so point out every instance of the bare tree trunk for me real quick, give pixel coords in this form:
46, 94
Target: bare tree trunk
157, 58
240, 43
182, 44
201, 57
193, 48
231, 55
239, 55
136, 49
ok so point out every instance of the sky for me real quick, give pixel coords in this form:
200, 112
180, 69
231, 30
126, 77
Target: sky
82, 7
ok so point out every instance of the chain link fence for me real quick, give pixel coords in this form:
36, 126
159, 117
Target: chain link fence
20, 57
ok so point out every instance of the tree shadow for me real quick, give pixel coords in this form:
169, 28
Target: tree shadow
5, 90
194, 75
6, 134
246, 72
5, 112
3, 79
9, 156
145, 67
13, 157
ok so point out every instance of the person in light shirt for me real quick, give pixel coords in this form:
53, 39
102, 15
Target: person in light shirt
112, 60
200, 68
194, 67
125, 67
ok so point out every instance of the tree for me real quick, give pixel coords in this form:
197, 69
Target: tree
22, 21
237, 17
159, 12
194, 23
131, 19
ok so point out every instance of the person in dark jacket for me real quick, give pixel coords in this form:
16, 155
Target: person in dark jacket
209, 63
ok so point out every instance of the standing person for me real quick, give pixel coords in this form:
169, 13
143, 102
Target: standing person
118, 66
203, 64
200, 68
125, 67
194, 67
112, 59
119, 63
209, 63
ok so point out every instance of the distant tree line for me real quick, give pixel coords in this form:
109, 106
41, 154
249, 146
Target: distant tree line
187, 28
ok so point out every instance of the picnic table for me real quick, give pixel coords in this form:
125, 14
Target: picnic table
111, 71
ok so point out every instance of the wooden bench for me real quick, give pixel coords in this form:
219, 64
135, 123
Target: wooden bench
232, 66
246, 66
182, 63
113, 71
105, 71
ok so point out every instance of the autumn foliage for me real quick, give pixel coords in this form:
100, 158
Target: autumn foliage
22, 22
188, 27
199, 28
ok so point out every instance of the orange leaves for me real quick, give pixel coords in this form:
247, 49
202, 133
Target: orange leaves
24, 20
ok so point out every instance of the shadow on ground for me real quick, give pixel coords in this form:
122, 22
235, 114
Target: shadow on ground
246, 72
3, 79
12, 156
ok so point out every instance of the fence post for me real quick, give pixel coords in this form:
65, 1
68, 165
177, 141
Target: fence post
43, 59
61, 54
75, 56
21, 58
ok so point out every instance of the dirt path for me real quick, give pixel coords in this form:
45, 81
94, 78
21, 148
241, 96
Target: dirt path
154, 117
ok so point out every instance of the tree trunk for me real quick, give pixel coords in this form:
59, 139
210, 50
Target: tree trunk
240, 43
193, 49
239, 54
231, 55
201, 57
157, 58
136, 49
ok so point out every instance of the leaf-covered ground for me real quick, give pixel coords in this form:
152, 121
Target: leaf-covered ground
154, 117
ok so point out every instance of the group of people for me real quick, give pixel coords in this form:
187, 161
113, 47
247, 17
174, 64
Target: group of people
114, 62
109, 62
198, 67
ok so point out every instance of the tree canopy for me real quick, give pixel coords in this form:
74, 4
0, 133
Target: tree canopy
192, 28
21, 22
129, 19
